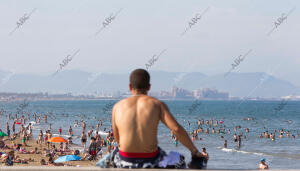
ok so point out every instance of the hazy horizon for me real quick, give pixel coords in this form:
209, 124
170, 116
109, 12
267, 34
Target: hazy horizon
226, 30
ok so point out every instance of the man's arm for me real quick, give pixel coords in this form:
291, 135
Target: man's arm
114, 126
177, 129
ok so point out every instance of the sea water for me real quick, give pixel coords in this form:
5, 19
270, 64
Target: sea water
280, 154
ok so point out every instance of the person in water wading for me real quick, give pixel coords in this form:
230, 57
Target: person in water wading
135, 122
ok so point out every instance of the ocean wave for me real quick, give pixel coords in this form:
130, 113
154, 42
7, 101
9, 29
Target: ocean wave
32, 123
63, 135
101, 133
281, 155
241, 151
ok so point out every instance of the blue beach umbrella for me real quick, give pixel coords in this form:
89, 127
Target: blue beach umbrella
67, 158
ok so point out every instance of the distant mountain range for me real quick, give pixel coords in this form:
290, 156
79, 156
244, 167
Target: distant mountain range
81, 82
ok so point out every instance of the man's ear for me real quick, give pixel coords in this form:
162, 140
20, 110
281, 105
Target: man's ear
130, 87
149, 87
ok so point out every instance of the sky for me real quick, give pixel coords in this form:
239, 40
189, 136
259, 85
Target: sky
142, 29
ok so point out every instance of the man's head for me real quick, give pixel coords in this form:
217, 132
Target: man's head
139, 81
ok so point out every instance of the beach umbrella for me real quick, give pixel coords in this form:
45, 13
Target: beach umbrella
57, 140
67, 158
2, 134
18, 123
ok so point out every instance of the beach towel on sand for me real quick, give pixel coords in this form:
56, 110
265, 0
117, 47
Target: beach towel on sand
161, 160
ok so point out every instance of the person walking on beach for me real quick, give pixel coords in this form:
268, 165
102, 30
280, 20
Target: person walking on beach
135, 123
40, 138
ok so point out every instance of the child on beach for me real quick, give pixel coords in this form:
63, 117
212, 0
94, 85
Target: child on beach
262, 165
9, 161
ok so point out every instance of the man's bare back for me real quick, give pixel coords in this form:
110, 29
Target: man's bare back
136, 119
135, 122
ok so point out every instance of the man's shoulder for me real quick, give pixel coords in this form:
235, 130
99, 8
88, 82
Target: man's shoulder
149, 100
144, 98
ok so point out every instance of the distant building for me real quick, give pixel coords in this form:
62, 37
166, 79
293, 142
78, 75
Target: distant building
181, 93
210, 94
165, 94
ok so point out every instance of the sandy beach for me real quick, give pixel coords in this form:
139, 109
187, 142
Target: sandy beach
38, 157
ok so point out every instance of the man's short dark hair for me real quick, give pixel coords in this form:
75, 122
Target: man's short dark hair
140, 79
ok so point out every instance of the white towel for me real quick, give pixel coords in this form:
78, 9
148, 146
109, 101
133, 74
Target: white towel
172, 159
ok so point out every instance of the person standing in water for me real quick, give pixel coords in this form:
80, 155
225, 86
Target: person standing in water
7, 129
60, 130
83, 140
45, 118
70, 131
225, 144
14, 127
239, 141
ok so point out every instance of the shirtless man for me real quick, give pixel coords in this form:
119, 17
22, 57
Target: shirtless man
83, 140
135, 122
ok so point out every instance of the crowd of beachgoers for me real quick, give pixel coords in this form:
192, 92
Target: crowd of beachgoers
20, 146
